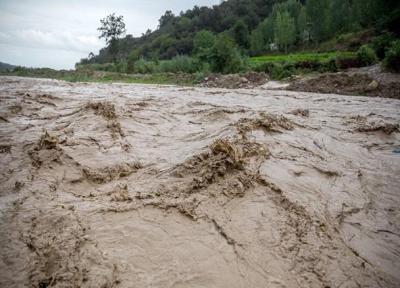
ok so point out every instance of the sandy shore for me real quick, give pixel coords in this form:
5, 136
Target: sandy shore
113, 185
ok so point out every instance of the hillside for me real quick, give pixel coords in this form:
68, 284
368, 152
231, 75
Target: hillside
6, 67
257, 27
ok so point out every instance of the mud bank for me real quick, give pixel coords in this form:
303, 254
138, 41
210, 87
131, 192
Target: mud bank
154, 186
366, 81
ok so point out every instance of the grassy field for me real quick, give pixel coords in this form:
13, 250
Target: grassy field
298, 57
105, 77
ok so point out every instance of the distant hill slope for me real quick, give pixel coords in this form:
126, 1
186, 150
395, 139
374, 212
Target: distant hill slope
175, 33
6, 67
255, 25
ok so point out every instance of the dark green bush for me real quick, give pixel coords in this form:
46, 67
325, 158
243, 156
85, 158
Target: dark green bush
266, 67
143, 66
382, 43
179, 63
392, 59
130, 62
120, 67
308, 64
366, 55
277, 71
109, 67
329, 66
314, 65
283, 70
225, 57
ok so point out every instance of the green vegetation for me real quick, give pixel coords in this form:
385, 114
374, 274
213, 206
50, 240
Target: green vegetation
382, 43
256, 27
297, 57
281, 70
284, 30
86, 73
224, 57
366, 55
392, 59
283, 66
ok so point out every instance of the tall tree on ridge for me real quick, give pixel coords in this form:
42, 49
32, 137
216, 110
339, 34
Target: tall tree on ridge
318, 16
112, 27
285, 30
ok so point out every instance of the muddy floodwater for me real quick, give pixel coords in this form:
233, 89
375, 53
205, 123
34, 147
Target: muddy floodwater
114, 185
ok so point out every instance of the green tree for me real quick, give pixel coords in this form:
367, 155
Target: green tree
341, 15
318, 16
166, 21
202, 43
293, 7
241, 34
284, 30
224, 56
262, 36
302, 31
183, 25
257, 44
268, 30
112, 27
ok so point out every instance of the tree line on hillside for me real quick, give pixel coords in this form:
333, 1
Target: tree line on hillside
245, 27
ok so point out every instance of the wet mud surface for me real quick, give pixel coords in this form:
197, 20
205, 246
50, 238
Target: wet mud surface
112, 185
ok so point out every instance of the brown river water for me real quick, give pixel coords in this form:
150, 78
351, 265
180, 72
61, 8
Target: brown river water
116, 185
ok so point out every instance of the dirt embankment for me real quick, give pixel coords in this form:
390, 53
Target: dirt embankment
147, 186
370, 81
235, 81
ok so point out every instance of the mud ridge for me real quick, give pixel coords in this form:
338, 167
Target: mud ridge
110, 173
267, 122
108, 112
46, 150
371, 124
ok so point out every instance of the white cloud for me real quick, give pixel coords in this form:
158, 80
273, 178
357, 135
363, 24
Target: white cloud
51, 40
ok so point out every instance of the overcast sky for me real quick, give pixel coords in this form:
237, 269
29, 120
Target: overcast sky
57, 33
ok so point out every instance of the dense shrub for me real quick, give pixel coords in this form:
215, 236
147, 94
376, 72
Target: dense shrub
120, 67
284, 71
109, 67
225, 57
366, 55
314, 65
392, 59
143, 66
130, 62
281, 70
266, 67
308, 64
179, 63
277, 71
382, 43
202, 45
329, 66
